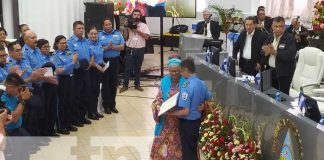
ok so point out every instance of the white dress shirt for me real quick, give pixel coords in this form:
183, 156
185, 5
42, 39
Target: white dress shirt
208, 30
272, 59
248, 46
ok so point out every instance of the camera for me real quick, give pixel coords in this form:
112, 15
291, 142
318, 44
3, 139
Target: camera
131, 23
3, 108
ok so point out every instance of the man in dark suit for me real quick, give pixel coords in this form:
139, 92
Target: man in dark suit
280, 51
208, 27
249, 44
299, 32
264, 22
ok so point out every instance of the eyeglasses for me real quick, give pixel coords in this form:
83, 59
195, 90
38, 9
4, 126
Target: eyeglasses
46, 47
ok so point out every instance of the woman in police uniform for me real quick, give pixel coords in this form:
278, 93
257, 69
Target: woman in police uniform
96, 71
65, 62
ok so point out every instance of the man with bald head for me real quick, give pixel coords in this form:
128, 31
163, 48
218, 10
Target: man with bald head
35, 119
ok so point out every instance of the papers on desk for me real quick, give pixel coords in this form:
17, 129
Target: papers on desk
168, 104
106, 66
49, 72
244, 77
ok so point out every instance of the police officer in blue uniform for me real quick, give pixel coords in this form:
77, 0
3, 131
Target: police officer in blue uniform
66, 62
49, 89
21, 66
3, 61
78, 44
192, 94
112, 42
96, 71
36, 103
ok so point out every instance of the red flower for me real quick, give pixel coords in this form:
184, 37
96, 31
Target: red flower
221, 140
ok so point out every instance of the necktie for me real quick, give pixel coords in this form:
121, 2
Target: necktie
205, 32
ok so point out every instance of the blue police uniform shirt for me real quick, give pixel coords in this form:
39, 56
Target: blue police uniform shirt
11, 102
64, 60
115, 37
97, 51
48, 58
34, 56
23, 65
3, 74
192, 94
81, 46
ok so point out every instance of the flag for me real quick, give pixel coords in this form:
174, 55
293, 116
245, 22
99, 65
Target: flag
301, 100
224, 66
258, 79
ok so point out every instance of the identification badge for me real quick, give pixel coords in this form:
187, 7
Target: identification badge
116, 37
282, 46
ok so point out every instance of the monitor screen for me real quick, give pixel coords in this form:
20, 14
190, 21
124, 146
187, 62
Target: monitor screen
157, 8
266, 80
231, 62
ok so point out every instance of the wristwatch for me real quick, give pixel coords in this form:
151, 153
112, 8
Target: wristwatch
23, 102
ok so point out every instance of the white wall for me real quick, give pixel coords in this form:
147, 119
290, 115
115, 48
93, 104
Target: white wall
7, 18
49, 18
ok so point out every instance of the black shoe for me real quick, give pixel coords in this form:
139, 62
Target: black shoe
123, 89
107, 111
93, 117
85, 121
99, 115
139, 88
114, 110
72, 128
78, 124
64, 131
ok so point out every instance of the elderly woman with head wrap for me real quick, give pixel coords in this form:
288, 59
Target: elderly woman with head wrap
166, 143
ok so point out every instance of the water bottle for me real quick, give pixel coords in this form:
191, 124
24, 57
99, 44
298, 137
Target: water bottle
278, 97
208, 56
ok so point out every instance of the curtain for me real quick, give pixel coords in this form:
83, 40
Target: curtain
50, 18
290, 8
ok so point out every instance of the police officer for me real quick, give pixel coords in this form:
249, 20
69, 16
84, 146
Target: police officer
192, 94
66, 62
21, 66
3, 61
78, 44
96, 70
50, 90
34, 57
112, 42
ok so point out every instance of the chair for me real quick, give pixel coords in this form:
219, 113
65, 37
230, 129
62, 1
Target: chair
318, 95
309, 71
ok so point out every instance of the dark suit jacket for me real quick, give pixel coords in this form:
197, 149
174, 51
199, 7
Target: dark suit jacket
258, 40
303, 36
214, 28
267, 23
286, 53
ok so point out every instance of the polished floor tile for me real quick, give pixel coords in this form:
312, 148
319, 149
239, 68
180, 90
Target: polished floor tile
127, 135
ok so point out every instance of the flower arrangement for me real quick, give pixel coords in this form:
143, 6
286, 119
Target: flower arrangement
227, 17
222, 138
119, 7
318, 20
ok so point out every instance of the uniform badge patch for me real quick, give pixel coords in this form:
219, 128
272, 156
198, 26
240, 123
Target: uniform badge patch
184, 96
185, 84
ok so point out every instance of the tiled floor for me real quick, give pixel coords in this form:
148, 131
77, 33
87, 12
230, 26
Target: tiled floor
127, 135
